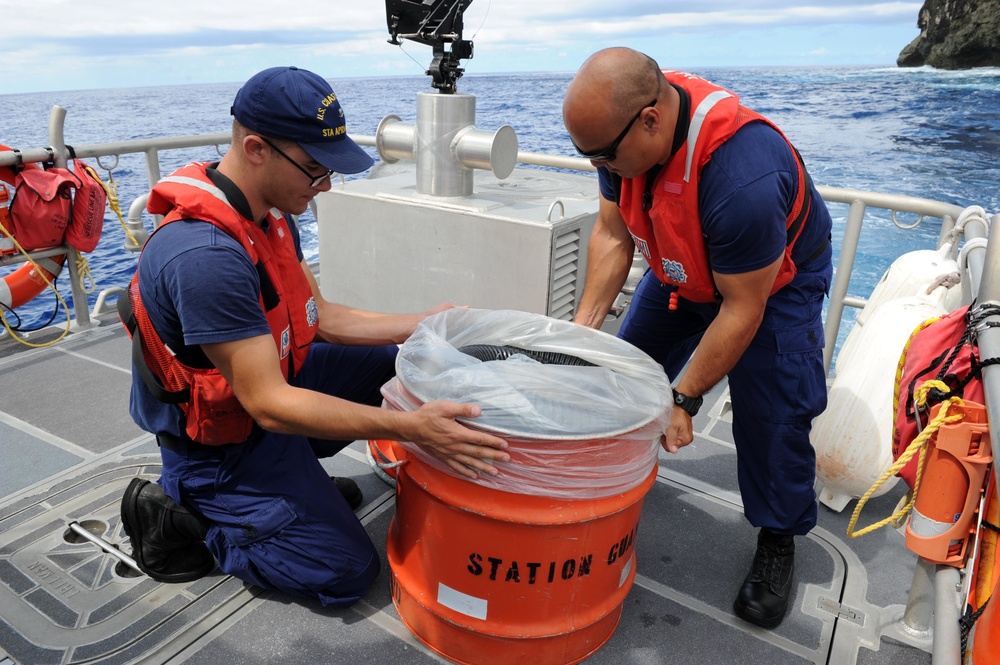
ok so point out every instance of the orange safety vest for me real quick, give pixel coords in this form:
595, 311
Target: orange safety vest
666, 234
213, 414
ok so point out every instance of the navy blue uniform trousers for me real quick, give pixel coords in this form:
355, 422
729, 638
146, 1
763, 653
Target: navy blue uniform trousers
777, 387
276, 519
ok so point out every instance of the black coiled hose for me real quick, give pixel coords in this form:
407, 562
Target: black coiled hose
487, 352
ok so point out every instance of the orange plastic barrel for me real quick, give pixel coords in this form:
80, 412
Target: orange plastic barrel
486, 576
531, 566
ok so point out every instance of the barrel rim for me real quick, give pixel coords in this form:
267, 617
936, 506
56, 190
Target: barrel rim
479, 424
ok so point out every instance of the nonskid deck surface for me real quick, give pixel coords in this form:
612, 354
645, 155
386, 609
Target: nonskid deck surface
68, 449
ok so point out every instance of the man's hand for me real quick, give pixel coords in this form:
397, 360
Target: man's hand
679, 431
465, 450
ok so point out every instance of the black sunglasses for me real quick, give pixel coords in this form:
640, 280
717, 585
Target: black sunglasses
608, 154
314, 180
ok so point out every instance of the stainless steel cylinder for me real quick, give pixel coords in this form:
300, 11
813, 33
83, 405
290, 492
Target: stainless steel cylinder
491, 151
439, 120
446, 145
394, 140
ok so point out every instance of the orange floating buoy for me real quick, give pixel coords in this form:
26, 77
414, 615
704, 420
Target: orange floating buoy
485, 576
951, 486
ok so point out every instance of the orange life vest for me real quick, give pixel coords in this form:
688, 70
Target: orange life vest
213, 414
943, 349
669, 234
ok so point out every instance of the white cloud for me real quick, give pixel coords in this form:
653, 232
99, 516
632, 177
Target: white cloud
113, 42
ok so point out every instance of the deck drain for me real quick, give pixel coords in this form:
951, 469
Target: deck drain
96, 527
128, 572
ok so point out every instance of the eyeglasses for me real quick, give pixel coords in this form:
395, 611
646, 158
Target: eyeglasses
608, 154
314, 180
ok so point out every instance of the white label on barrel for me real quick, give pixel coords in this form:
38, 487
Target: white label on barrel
461, 602
627, 567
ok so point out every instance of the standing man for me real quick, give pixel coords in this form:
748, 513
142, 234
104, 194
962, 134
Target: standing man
247, 376
738, 244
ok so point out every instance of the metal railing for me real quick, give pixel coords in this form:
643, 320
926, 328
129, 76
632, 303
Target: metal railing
860, 203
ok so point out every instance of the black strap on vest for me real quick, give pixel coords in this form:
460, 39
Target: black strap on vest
268, 294
793, 229
192, 356
127, 316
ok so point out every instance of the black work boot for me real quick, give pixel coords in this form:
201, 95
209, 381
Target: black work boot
349, 490
167, 539
763, 598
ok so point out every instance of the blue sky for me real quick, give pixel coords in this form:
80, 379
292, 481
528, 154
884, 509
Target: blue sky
52, 45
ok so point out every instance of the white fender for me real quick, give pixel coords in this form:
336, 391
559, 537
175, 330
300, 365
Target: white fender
929, 274
853, 436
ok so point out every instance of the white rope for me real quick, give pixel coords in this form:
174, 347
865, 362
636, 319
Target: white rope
972, 213
963, 256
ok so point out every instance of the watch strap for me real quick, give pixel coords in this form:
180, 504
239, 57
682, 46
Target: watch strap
689, 404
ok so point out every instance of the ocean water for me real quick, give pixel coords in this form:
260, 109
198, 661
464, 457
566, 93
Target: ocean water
921, 132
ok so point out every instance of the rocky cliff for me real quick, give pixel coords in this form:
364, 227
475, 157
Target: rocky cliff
955, 34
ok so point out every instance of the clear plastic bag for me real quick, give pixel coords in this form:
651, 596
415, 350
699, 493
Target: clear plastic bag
574, 431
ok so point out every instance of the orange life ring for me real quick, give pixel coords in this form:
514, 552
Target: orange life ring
25, 283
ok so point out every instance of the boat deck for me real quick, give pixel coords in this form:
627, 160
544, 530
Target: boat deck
68, 450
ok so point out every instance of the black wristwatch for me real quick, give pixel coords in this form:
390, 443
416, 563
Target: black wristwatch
689, 404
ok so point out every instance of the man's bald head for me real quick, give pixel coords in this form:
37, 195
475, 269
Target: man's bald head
613, 83
619, 108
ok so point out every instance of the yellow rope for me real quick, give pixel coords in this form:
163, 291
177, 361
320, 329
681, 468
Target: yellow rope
917, 445
111, 190
87, 283
41, 273
897, 385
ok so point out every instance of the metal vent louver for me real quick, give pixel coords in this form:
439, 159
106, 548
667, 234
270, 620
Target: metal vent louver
565, 264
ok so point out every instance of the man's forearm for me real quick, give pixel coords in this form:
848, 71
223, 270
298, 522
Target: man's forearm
723, 344
608, 265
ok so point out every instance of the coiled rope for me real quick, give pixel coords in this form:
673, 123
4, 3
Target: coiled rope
918, 445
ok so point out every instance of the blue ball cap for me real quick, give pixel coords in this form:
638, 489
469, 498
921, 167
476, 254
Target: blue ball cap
297, 105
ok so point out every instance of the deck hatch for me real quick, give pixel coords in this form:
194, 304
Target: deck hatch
66, 601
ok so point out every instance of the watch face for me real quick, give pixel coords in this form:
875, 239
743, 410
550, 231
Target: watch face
678, 399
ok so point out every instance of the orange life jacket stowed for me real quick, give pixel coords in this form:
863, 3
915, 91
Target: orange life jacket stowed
87, 221
939, 349
45, 211
41, 207
669, 233
213, 414
31, 278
